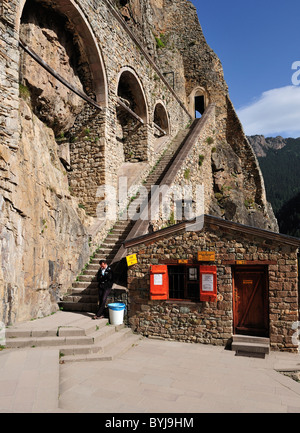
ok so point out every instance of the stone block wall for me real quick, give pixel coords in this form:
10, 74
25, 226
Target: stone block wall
194, 176
9, 73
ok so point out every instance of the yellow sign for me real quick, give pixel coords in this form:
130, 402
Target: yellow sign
183, 261
241, 262
206, 256
131, 260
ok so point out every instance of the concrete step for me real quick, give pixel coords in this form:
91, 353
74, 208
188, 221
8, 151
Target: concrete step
77, 291
250, 346
81, 297
85, 285
78, 306
110, 353
250, 339
75, 339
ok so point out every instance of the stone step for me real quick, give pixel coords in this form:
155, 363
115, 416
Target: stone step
77, 291
81, 297
87, 277
47, 341
250, 346
250, 339
78, 307
76, 337
83, 326
85, 285
101, 339
110, 353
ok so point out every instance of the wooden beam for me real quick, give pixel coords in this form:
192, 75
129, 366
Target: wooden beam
48, 68
132, 113
159, 128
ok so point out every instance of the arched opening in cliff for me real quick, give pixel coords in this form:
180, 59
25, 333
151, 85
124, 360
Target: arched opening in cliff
160, 121
198, 101
199, 106
70, 50
132, 128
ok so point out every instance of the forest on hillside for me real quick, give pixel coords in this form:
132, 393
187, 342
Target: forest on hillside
281, 172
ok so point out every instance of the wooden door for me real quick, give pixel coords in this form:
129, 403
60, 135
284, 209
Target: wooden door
250, 301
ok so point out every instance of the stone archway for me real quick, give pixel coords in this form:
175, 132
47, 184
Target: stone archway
161, 120
73, 22
65, 41
198, 100
132, 117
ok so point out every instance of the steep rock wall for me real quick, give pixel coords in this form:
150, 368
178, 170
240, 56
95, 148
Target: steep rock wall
43, 241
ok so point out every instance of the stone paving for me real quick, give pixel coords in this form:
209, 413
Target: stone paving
172, 377
153, 377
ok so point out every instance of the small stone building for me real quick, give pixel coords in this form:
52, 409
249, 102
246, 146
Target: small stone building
205, 281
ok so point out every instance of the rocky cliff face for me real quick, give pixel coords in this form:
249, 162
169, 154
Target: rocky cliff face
262, 144
45, 32
177, 43
43, 241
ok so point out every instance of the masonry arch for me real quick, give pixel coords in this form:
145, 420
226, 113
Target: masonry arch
161, 120
90, 63
59, 34
132, 116
198, 101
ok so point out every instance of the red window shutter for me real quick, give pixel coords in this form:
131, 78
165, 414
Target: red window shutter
159, 282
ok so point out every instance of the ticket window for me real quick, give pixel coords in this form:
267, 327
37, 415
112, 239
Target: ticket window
188, 282
184, 282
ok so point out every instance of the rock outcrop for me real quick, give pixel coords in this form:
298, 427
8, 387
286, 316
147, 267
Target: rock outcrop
262, 144
52, 102
43, 240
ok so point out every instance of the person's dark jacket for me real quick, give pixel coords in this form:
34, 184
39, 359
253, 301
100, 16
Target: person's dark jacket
105, 281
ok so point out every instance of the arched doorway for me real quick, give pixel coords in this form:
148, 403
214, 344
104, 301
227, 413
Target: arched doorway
198, 101
160, 121
132, 117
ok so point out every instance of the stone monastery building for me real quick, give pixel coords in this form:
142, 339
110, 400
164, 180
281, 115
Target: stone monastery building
101, 100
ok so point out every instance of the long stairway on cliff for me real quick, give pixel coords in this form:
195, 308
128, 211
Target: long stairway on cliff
83, 295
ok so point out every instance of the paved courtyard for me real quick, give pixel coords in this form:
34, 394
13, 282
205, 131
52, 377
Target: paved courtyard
171, 377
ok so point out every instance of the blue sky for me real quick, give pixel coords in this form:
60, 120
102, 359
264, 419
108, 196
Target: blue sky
257, 43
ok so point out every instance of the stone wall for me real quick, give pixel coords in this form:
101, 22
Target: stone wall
212, 322
9, 75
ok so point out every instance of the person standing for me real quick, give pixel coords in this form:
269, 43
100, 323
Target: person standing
105, 282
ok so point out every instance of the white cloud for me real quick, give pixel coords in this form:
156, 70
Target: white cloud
276, 112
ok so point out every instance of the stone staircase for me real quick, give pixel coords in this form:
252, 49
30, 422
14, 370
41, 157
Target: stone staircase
245, 345
83, 295
82, 339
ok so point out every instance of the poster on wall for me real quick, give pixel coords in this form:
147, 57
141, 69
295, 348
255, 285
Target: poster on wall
158, 279
207, 282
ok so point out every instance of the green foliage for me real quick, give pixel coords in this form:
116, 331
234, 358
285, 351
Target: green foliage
200, 160
24, 92
160, 41
209, 140
280, 169
187, 173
